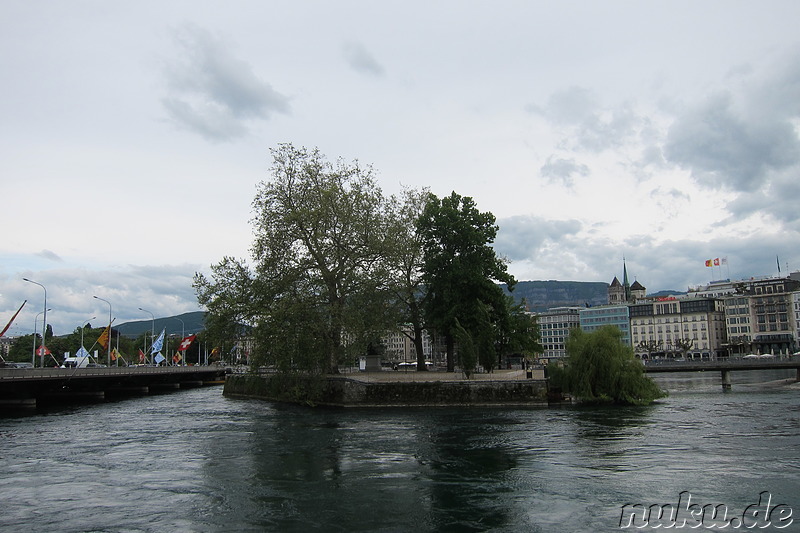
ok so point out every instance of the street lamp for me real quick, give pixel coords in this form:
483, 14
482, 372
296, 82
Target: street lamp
35, 320
183, 335
153, 329
109, 327
44, 322
83, 327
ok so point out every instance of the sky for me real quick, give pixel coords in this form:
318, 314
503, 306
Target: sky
133, 135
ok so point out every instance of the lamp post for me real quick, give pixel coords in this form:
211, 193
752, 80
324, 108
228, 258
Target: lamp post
109, 327
44, 322
153, 328
183, 334
83, 327
35, 320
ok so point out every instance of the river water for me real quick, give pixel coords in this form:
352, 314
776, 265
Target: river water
196, 461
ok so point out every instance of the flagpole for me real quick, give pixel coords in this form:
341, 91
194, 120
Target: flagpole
109, 327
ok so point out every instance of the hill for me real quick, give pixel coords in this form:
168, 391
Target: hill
543, 295
194, 323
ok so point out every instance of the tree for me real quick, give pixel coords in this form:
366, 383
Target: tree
319, 230
460, 273
600, 368
403, 264
518, 331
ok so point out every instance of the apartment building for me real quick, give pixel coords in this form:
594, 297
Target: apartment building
554, 326
693, 328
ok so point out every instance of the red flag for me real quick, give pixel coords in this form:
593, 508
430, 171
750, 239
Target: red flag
185, 343
42, 350
716, 262
141, 356
709, 262
176, 358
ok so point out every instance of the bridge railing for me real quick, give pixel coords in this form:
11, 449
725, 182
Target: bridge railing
39, 373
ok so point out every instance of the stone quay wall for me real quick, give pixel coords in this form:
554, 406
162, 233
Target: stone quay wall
388, 389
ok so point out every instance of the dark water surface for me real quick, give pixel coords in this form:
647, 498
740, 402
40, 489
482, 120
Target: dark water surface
196, 461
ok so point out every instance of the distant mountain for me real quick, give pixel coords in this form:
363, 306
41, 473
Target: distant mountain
192, 323
543, 295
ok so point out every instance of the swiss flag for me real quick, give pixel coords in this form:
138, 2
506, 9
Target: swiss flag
185, 343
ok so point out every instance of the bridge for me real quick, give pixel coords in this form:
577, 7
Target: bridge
724, 366
29, 387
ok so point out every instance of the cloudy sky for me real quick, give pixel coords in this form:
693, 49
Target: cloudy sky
133, 134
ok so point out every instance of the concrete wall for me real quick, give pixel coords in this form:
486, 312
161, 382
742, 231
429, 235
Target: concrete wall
348, 392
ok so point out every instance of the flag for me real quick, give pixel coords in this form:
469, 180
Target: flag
115, 354
176, 358
158, 343
709, 262
215, 351
716, 262
42, 350
185, 343
81, 352
141, 356
724, 260
12, 318
159, 358
779, 264
103, 339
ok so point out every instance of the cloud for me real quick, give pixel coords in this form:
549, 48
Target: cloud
724, 148
562, 170
213, 93
360, 60
524, 237
52, 256
163, 290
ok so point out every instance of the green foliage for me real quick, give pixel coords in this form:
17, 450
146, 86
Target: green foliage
601, 368
319, 231
460, 270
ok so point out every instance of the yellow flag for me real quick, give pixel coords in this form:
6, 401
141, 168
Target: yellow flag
103, 340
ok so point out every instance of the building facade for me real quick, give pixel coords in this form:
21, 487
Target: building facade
593, 318
554, 326
691, 328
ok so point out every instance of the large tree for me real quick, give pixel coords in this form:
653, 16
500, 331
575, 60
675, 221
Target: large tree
319, 230
461, 271
403, 266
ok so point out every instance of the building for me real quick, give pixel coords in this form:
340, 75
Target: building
554, 326
772, 317
593, 318
692, 328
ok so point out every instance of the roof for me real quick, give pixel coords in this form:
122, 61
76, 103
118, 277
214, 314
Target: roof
616, 282
637, 286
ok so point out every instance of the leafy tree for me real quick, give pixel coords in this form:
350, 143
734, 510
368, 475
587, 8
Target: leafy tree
319, 230
402, 262
600, 367
518, 331
460, 271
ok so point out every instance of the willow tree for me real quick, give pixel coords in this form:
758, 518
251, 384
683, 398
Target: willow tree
461, 271
601, 368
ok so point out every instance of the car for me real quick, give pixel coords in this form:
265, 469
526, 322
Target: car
15, 364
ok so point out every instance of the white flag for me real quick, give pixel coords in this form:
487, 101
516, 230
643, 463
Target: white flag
159, 342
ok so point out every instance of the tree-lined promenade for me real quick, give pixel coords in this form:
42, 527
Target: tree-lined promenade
336, 264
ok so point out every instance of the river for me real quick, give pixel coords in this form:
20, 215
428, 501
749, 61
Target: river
196, 461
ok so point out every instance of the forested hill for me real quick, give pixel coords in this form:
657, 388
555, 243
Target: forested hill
543, 295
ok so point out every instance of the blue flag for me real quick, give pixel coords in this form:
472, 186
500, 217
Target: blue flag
159, 342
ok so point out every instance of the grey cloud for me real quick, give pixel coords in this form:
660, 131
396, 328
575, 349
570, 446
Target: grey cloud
215, 93
359, 58
563, 170
592, 127
723, 149
522, 237
52, 256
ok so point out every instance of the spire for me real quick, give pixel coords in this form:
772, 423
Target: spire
625, 282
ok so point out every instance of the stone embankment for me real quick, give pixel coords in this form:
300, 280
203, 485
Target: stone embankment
395, 388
